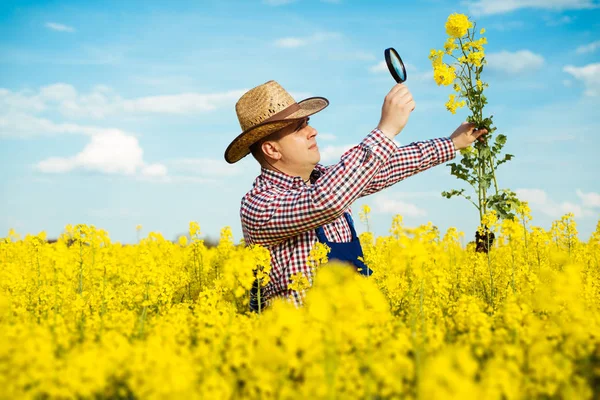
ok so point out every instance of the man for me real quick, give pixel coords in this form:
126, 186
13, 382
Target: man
295, 201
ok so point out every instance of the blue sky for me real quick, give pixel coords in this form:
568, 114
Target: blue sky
118, 113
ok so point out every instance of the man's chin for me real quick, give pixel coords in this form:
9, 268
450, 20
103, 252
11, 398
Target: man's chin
317, 158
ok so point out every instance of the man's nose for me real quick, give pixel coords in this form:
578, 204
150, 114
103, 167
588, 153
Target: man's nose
312, 132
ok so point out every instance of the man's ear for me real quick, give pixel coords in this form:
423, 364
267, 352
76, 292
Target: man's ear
271, 150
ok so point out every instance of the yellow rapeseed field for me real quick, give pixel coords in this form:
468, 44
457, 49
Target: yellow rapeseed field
88, 318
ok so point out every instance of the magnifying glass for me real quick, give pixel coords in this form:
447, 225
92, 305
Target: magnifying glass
395, 65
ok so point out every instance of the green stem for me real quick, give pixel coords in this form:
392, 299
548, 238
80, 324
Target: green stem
491, 160
258, 296
80, 288
492, 291
479, 188
472, 202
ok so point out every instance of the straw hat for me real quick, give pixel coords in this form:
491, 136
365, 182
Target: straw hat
265, 109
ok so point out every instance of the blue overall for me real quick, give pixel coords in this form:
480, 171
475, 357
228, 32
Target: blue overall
345, 252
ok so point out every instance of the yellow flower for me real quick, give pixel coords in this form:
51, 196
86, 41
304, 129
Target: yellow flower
479, 85
444, 74
450, 45
482, 31
475, 58
436, 57
456, 87
478, 44
452, 104
457, 25
364, 214
194, 229
299, 282
183, 240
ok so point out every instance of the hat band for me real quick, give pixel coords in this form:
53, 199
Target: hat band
283, 113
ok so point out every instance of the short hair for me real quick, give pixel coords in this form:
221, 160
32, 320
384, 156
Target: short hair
256, 147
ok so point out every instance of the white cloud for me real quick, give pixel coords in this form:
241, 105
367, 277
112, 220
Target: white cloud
205, 166
294, 42
508, 26
413, 195
589, 48
352, 55
564, 20
109, 152
489, 7
562, 137
59, 27
284, 2
413, 73
384, 204
102, 102
329, 137
291, 42
539, 201
300, 95
58, 92
21, 125
589, 75
55, 165
278, 2
108, 213
514, 62
379, 67
174, 179
154, 170
533, 196
590, 199
184, 103
24, 100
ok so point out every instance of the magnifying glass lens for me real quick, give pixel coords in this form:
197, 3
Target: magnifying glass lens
395, 65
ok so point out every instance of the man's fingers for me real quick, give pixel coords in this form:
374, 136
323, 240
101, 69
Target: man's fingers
397, 88
479, 134
398, 92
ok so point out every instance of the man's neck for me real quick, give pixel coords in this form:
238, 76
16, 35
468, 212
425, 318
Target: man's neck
305, 175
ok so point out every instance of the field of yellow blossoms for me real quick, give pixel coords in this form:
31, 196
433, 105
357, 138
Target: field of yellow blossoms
88, 318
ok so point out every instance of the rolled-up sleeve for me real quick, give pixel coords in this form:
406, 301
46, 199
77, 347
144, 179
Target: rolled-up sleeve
409, 160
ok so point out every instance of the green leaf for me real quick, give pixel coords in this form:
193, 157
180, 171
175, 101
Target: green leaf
507, 157
453, 193
485, 152
499, 143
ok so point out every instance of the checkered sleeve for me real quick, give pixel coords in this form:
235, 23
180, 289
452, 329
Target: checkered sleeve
273, 215
409, 160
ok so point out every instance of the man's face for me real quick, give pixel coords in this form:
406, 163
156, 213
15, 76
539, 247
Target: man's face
297, 145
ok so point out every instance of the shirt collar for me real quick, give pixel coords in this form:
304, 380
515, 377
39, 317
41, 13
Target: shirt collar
287, 181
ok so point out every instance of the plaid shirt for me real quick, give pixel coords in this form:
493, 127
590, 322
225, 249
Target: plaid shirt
281, 212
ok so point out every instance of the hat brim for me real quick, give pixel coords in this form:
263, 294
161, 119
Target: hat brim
240, 146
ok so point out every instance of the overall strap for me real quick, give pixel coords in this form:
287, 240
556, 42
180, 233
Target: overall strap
351, 224
321, 235
321, 232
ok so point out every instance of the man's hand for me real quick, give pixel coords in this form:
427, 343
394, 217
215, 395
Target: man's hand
465, 135
397, 106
